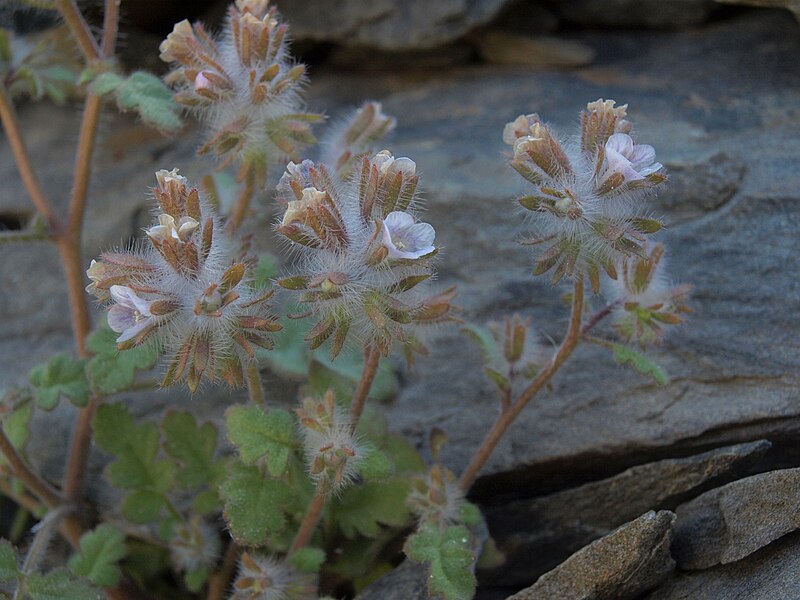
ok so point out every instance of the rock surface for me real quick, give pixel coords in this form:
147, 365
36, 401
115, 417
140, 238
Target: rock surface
728, 523
537, 534
620, 566
769, 574
662, 14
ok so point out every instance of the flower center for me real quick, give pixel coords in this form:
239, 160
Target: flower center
137, 316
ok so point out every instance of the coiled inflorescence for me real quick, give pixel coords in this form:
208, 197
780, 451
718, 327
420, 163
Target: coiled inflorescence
187, 290
587, 199
362, 252
243, 84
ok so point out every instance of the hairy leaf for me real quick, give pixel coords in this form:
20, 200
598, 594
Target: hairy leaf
100, 551
146, 94
60, 585
143, 506
254, 505
449, 556
62, 375
193, 447
111, 371
9, 566
105, 83
308, 559
363, 509
259, 434
640, 362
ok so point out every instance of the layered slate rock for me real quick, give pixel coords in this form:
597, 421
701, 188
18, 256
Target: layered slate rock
728, 523
769, 574
535, 535
619, 566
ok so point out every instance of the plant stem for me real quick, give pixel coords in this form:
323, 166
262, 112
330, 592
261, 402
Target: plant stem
598, 316
80, 29
218, 582
310, 520
372, 357
8, 116
255, 387
79, 452
509, 414
32, 481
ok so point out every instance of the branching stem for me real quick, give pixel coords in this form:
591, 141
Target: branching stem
509, 413
372, 358
32, 481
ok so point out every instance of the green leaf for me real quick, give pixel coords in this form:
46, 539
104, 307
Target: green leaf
193, 447
375, 466
60, 585
9, 566
404, 455
146, 94
100, 551
265, 271
62, 375
363, 509
469, 514
343, 374
640, 362
111, 371
196, 578
258, 434
291, 356
134, 446
449, 555
307, 560
485, 342
254, 505
143, 506
15, 426
206, 502
105, 83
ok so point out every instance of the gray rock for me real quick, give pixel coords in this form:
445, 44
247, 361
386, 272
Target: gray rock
503, 48
536, 535
620, 566
662, 14
387, 24
728, 523
769, 574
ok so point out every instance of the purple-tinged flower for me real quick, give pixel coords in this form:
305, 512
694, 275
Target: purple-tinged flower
633, 161
130, 315
404, 238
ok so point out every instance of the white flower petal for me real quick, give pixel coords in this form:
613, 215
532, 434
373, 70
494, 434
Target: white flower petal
397, 219
120, 318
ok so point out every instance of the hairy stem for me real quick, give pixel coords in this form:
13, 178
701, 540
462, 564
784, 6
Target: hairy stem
32, 481
218, 582
255, 387
508, 415
598, 316
310, 520
79, 29
8, 116
79, 452
372, 357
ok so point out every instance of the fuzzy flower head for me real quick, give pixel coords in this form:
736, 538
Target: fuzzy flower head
363, 253
333, 453
263, 577
195, 545
647, 302
587, 202
436, 497
243, 84
347, 145
186, 290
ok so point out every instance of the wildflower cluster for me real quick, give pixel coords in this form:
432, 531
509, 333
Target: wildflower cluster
362, 251
243, 84
263, 577
185, 290
587, 196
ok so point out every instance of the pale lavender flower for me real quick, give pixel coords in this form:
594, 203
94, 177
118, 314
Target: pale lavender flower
167, 228
633, 161
130, 315
405, 238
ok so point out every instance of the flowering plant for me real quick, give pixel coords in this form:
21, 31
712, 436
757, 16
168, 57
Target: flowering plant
316, 500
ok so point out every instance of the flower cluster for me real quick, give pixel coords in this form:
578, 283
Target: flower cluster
587, 197
244, 85
362, 251
185, 290
646, 301
263, 577
333, 452
436, 497
195, 545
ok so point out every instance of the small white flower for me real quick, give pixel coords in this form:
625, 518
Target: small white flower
167, 228
389, 164
406, 239
201, 82
130, 315
633, 161
164, 177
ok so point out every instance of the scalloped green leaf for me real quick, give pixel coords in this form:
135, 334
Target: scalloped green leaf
143, 506
100, 551
258, 434
147, 95
9, 564
193, 448
254, 504
365, 508
375, 466
60, 585
62, 375
449, 556
111, 371
308, 559
105, 83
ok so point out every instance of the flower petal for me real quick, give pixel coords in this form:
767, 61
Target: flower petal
120, 318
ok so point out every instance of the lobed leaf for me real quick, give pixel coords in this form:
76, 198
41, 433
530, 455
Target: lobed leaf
9, 564
62, 375
193, 447
365, 508
449, 556
100, 551
258, 434
60, 585
146, 94
640, 362
111, 371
